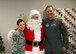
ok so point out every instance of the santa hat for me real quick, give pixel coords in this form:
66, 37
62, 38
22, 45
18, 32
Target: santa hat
33, 12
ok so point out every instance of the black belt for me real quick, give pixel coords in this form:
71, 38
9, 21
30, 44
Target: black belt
34, 43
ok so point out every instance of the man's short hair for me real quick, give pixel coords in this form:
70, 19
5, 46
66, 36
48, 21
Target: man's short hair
48, 7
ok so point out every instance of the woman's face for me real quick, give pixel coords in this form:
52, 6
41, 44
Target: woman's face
21, 26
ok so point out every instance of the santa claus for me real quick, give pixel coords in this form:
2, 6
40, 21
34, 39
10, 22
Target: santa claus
34, 34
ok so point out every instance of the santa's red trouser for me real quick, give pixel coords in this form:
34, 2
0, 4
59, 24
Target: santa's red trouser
35, 50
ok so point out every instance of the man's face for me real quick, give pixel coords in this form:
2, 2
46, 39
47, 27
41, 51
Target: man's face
35, 17
50, 12
21, 26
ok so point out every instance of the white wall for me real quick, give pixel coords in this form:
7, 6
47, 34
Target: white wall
10, 10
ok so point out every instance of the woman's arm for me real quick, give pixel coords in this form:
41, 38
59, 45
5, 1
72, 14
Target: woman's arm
15, 43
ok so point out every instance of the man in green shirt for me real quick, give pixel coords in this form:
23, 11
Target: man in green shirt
56, 36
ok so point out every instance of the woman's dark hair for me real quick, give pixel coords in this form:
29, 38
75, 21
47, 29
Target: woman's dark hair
48, 7
19, 20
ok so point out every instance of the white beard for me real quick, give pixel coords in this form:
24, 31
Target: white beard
34, 24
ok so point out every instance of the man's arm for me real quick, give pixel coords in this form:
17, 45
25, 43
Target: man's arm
64, 35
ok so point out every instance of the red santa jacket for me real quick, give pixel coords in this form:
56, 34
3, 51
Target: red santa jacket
29, 35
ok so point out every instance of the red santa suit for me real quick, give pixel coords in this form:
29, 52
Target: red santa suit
34, 34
